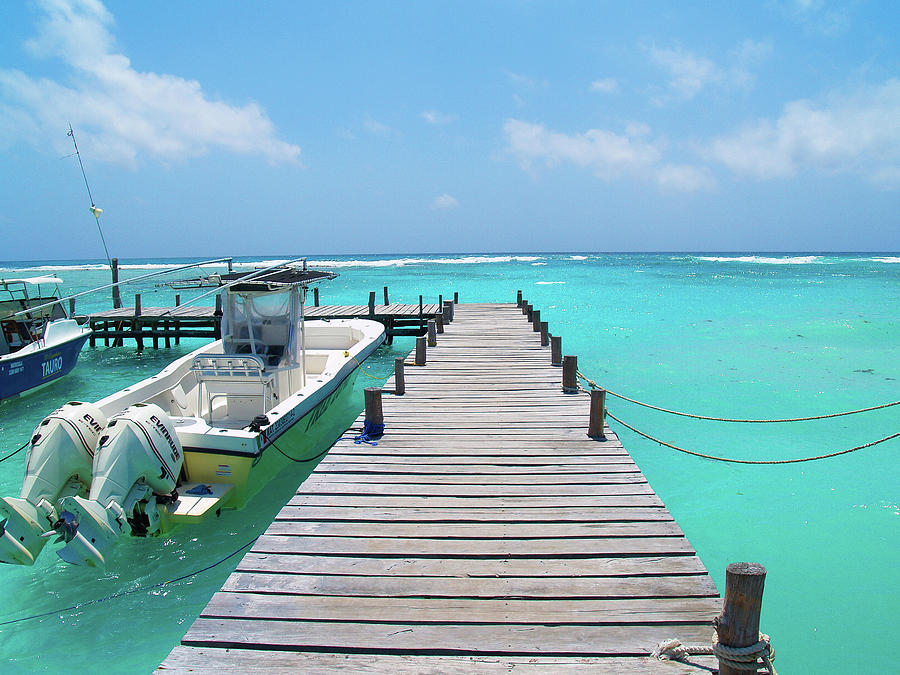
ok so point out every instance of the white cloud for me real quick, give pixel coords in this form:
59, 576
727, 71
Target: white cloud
375, 127
607, 85
120, 112
608, 155
444, 202
691, 73
857, 133
435, 117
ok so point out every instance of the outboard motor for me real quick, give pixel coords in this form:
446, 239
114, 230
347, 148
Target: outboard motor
138, 459
58, 464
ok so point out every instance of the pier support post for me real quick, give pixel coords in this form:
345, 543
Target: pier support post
217, 314
420, 351
455, 298
738, 624
555, 350
545, 334
399, 376
524, 306
570, 374
421, 310
447, 309
374, 411
177, 324
439, 323
114, 268
386, 296
371, 303
529, 312
71, 308
136, 324
598, 414
316, 296
518, 298
432, 333
536, 321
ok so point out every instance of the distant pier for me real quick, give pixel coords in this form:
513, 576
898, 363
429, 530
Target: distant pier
487, 531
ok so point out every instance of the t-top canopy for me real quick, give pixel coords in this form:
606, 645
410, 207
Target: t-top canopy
274, 280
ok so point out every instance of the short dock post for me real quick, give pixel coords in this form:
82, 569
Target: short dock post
518, 298
529, 312
371, 303
447, 310
316, 296
386, 296
441, 301
399, 377
71, 308
555, 350
598, 414
738, 624
524, 306
117, 299
545, 334
420, 351
421, 310
432, 333
439, 323
570, 374
536, 321
455, 298
374, 411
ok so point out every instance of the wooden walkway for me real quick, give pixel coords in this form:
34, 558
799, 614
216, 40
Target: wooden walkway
486, 531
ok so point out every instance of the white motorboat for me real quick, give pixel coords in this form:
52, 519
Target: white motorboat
186, 442
39, 343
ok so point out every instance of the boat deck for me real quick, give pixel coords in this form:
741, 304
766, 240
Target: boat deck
485, 532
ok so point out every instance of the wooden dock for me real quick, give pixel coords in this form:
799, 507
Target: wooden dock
170, 324
485, 532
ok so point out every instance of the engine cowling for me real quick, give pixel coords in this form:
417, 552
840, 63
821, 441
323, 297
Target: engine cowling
59, 463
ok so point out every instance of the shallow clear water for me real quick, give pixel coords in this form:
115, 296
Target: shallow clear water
740, 335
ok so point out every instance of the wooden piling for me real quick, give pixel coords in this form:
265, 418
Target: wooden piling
570, 374
432, 333
439, 323
598, 414
446, 311
518, 298
738, 624
529, 312
114, 268
371, 303
420, 307
71, 308
177, 331
136, 324
420, 351
545, 334
555, 350
386, 296
399, 376
374, 410
316, 296
455, 298
536, 321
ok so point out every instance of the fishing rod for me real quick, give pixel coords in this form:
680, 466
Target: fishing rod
94, 209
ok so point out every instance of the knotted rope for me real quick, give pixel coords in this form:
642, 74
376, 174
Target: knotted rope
738, 658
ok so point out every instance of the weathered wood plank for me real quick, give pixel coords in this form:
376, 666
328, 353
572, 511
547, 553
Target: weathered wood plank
473, 514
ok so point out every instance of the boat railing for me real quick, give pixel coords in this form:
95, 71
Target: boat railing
241, 379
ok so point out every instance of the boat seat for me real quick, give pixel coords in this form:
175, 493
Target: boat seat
241, 380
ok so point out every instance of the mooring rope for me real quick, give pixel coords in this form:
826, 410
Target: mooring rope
738, 658
751, 461
594, 385
15, 452
374, 377
132, 591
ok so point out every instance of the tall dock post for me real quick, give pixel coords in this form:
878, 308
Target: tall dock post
386, 296
738, 624
545, 334
598, 414
399, 376
316, 296
371, 303
570, 374
518, 298
536, 321
432, 333
136, 325
114, 268
439, 323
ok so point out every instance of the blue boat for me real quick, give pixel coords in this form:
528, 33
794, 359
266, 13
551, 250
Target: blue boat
39, 343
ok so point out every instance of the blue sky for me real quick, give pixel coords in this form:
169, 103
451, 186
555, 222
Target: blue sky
243, 128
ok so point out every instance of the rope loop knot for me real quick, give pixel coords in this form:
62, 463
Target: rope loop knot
746, 658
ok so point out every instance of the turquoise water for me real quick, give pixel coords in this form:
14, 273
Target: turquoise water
739, 335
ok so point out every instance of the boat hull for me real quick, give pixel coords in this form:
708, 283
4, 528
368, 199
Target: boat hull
21, 373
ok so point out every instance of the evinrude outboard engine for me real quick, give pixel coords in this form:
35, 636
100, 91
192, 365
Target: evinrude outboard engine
139, 458
58, 465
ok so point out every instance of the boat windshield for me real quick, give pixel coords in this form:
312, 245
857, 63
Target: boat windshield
265, 324
21, 294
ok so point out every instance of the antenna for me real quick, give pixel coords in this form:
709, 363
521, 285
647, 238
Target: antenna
94, 210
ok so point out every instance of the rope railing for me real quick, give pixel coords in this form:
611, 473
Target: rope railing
594, 385
750, 461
